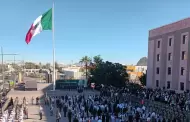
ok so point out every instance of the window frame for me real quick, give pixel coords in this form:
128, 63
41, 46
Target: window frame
169, 72
169, 56
170, 41
182, 71
157, 83
168, 84
157, 70
158, 43
182, 88
158, 57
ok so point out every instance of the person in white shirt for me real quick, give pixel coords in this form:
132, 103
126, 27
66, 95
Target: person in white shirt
40, 112
96, 118
51, 110
99, 120
80, 119
143, 108
112, 118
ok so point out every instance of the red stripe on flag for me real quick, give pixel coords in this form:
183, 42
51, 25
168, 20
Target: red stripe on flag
29, 34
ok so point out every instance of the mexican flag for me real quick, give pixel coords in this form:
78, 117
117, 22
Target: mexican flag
43, 22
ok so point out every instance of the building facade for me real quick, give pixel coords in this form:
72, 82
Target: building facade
73, 72
142, 69
135, 72
168, 52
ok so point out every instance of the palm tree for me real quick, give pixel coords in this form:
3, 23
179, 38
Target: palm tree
85, 60
97, 59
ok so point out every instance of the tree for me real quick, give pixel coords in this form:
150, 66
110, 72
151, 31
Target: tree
143, 79
56, 65
47, 66
40, 65
86, 61
30, 65
97, 59
16, 67
37, 66
109, 73
5, 68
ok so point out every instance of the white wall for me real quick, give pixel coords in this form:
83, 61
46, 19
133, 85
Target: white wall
141, 69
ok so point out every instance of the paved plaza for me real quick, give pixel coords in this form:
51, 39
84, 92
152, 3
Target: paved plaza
33, 110
34, 115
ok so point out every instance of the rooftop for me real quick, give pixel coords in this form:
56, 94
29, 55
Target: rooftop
181, 24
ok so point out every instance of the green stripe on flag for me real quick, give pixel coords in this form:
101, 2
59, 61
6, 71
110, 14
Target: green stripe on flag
46, 20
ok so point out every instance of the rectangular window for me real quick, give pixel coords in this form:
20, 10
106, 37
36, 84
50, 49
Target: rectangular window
182, 71
169, 56
170, 41
181, 86
158, 45
168, 84
142, 69
158, 57
157, 83
169, 71
183, 55
184, 39
157, 70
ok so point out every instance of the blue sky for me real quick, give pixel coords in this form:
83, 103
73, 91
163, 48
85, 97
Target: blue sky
115, 29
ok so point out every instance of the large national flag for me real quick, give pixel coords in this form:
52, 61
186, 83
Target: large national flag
43, 22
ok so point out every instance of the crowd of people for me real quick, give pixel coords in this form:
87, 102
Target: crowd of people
111, 105
179, 100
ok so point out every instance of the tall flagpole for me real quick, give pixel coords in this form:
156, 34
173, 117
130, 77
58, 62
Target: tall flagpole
53, 40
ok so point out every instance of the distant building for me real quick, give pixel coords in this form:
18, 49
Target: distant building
10, 68
168, 52
73, 72
135, 72
28, 71
142, 69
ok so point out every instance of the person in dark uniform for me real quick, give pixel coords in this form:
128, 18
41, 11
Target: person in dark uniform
75, 119
103, 118
107, 117
65, 110
69, 116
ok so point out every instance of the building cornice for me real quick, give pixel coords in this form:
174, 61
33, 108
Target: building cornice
182, 24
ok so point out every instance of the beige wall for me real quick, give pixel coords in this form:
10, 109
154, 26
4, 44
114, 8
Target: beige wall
162, 34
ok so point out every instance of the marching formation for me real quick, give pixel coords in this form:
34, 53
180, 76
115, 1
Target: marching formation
109, 106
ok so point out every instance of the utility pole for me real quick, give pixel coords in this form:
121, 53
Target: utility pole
2, 66
14, 59
2, 63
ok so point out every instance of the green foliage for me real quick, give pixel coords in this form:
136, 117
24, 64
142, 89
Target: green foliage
86, 61
46, 66
97, 59
143, 79
56, 65
30, 65
17, 67
11, 83
4, 67
109, 73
